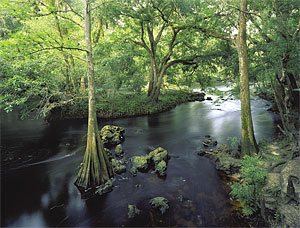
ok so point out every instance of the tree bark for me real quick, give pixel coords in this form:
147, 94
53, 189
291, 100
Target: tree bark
96, 168
248, 142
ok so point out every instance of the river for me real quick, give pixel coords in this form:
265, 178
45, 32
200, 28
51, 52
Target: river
42, 194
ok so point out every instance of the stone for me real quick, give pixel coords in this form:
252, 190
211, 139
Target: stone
226, 163
196, 96
112, 135
158, 155
208, 142
118, 166
290, 179
119, 150
104, 188
209, 98
160, 203
133, 211
161, 168
133, 171
200, 152
290, 214
108, 153
140, 162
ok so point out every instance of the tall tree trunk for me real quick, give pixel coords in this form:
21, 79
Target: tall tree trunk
96, 168
248, 142
82, 84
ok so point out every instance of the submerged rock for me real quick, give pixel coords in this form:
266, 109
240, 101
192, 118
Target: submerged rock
133, 171
104, 188
119, 150
133, 211
160, 203
112, 135
118, 166
208, 142
161, 168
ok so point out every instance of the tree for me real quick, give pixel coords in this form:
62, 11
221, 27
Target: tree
248, 142
96, 168
277, 23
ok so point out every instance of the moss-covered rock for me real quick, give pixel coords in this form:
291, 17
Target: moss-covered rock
104, 188
108, 153
140, 162
118, 166
161, 168
133, 211
133, 171
158, 155
112, 135
119, 150
208, 142
160, 203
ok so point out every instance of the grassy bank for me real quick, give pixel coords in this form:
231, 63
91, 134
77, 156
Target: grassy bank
123, 105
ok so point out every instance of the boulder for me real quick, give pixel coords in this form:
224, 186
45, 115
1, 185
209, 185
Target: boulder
201, 152
140, 162
208, 142
104, 188
209, 98
108, 153
160, 203
290, 214
290, 179
226, 163
133, 211
119, 150
133, 171
161, 168
158, 155
118, 166
112, 135
196, 96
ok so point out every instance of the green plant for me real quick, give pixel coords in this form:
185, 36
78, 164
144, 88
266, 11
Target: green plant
249, 191
233, 141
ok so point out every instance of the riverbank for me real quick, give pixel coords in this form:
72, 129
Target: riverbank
280, 194
123, 105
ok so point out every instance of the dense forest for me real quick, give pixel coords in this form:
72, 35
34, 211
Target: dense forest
102, 60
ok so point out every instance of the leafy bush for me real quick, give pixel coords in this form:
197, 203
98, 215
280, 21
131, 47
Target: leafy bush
249, 191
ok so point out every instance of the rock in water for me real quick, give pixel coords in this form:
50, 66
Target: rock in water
140, 162
133, 171
208, 142
112, 135
133, 211
119, 150
161, 168
158, 155
104, 188
118, 166
160, 203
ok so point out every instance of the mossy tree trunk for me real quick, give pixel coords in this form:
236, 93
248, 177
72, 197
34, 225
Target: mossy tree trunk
96, 168
248, 142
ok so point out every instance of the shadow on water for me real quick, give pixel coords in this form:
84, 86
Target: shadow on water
42, 193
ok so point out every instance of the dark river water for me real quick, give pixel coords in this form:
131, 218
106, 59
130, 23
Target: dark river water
42, 194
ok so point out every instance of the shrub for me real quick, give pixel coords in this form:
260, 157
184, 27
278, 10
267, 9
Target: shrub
249, 191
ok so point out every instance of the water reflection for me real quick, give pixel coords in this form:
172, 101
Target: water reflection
43, 194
